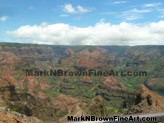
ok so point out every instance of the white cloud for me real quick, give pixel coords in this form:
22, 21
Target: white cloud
134, 14
44, 24
69, 8
152, 4
139, 10
81, 9
3, 18
63, 15
161, 16
132, 17
100, 34
119, 2
161, 12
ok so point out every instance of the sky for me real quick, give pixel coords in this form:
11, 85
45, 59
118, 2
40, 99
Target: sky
82, 22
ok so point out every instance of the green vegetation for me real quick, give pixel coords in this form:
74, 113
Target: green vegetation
117, 91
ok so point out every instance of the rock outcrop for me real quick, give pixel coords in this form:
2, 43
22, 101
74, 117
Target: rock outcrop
147, 101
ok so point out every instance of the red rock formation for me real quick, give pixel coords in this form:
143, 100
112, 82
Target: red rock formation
147, 101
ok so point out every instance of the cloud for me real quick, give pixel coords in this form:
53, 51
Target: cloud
63, 15
69, 8
152, 4
139, 10
161, 12
3, 18
132, 17
81, 9
100, 34
161, 16
134, 14
119, 2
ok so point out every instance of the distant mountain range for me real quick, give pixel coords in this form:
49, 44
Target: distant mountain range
53, 98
